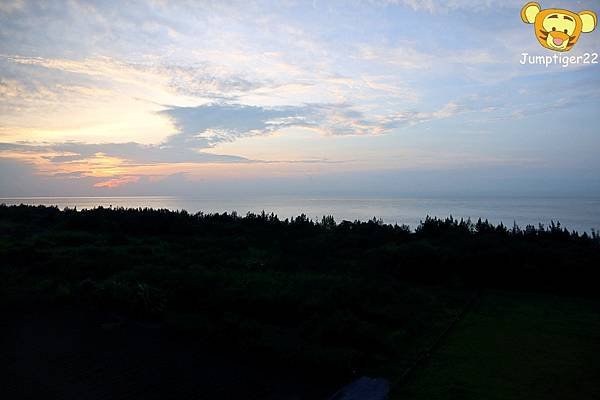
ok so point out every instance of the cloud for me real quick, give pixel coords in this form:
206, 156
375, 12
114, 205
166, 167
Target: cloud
448, 110
208, 124
11, 6
115, 94
116, 182
439, 62
200, 128
435, 6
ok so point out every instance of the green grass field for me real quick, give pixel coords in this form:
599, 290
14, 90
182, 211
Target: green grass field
515, 346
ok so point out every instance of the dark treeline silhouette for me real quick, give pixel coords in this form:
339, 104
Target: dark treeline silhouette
330, 296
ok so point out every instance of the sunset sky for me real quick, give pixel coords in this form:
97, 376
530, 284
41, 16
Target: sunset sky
381, 97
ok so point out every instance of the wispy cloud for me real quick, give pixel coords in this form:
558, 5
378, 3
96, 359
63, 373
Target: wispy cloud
452, 5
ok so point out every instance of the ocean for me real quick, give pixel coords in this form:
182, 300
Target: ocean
580, 214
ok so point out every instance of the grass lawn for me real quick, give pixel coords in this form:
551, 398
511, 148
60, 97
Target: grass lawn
515, 346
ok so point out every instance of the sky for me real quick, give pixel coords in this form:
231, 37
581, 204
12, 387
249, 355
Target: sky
372, 97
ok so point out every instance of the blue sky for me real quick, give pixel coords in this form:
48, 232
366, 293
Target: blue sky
291, 97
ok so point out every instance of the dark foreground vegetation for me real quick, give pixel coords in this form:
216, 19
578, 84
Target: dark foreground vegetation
330, 300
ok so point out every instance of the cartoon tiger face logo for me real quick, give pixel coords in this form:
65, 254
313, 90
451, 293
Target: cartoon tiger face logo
556, 29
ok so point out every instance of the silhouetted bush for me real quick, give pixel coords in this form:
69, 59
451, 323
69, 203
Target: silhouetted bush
329, 296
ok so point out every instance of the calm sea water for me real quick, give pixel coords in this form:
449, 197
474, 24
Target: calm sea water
582, 215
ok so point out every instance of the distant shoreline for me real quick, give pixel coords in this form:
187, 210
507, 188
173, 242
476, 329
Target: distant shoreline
579, 214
